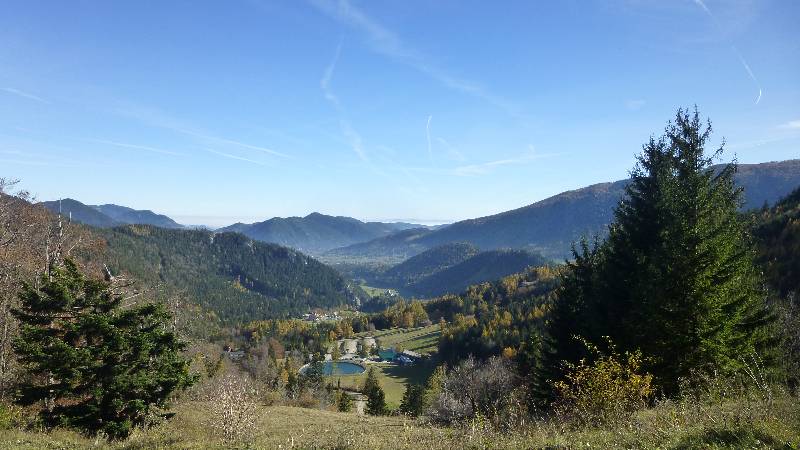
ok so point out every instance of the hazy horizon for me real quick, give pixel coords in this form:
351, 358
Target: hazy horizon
436, 112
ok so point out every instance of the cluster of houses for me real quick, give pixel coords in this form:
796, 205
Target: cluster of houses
317, 317
351, 348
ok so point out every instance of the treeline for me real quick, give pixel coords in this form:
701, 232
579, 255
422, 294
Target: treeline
498, 318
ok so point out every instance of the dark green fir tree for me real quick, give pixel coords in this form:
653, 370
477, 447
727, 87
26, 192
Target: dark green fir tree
91, 363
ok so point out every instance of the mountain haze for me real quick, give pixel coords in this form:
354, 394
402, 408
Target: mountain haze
551, 225
127, 215
109, 215
316, 233
485, 266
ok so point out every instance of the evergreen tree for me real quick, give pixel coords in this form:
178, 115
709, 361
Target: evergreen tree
676, 277
413, 402
569, 318
345, 402
95, 365
376, 399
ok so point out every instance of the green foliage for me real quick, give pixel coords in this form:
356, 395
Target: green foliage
482, 267
93, 364
778, 235
401, 315
608, 390
237, 278
376, 398
428, 263
414, 401
345, 402
676, 276
491, 317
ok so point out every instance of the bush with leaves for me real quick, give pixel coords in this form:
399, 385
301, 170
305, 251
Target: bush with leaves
605, 391
92, 363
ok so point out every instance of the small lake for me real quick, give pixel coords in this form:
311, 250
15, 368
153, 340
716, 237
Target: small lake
341, 368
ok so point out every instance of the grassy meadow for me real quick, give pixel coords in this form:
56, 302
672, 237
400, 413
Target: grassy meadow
732, 425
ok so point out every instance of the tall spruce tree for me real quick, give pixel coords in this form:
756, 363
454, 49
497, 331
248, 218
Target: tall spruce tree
676, 276
92, 364
569, 319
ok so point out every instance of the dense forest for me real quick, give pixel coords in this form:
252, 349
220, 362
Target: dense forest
239, 279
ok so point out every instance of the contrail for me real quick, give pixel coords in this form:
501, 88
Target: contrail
749, 72
428, 133
746, 66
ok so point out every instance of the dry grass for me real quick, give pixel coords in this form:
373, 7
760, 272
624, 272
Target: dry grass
670, 425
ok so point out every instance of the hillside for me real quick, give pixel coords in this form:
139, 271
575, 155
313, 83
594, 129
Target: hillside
551, 225
109, 215
316, 233
80, 213
778, 235
230, 274
428, 263
485, 266
125, 215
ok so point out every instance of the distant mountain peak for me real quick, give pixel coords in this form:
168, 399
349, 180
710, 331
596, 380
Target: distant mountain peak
108, 215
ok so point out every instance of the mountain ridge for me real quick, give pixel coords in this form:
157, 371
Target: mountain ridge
550, 225
316, 232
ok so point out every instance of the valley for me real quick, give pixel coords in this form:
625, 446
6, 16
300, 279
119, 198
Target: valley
354, 224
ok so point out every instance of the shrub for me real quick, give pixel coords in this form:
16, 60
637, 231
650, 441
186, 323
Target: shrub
234, 408
473, 390
605, 391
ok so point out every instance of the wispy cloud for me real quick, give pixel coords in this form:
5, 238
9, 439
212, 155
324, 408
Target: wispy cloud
452, 152
157, 118
24, 94
136, 147
739, 55
486, 167
232, 142
791, 125
236, 157
351, 135
428, 135
387, 43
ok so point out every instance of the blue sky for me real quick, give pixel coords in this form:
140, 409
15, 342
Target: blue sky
433, 111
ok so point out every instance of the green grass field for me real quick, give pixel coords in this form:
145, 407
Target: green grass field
393, 379
423, 340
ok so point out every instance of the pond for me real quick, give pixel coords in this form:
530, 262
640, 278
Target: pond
339, 368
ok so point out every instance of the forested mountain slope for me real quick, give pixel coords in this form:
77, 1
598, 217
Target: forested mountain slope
228, 273
316, 233
777, 232
485, 266
109, 215
429, 262
551, 225
125, 215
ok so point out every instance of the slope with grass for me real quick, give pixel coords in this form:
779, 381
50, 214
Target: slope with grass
667, 426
